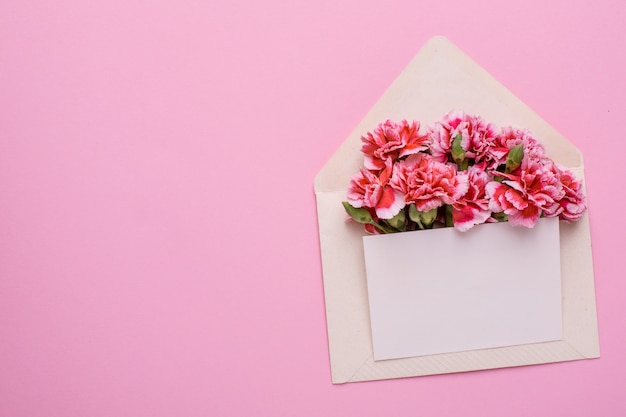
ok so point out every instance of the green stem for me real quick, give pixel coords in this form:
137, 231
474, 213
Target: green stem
382, 228
449, 221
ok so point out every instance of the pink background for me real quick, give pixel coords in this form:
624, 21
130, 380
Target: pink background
158, 239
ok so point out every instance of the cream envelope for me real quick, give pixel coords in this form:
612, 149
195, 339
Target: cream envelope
439, 79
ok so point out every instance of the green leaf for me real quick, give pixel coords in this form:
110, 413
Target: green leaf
458, 153
363, 216
383, 228
515, 157
360, 215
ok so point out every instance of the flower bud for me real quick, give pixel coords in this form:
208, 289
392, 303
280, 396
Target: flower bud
414, 214
428, 217
501, 216
424, 219
398, 221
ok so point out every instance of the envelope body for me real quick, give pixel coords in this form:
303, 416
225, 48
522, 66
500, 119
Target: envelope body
440, 79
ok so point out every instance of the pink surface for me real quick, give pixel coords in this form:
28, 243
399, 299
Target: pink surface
158, 240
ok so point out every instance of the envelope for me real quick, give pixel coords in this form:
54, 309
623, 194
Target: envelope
439, 79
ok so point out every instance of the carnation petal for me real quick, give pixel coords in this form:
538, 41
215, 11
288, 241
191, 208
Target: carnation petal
462, 186
468, 217
372, 163
428, 204
516, 199
390, 203
515, 185
493, 189
527, 217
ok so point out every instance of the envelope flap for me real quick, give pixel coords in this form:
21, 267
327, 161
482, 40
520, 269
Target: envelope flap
439, 79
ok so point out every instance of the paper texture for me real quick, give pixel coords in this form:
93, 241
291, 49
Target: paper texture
441, 290
439, 79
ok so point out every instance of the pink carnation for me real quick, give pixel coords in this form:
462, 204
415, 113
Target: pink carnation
391, 140
473, 207
525, 196
478, 137
572, 206
480, 140
427, 183
511, 137
372, 191
443, 132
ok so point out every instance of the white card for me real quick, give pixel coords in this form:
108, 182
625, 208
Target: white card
440, 291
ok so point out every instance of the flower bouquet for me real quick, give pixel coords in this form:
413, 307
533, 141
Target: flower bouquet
463, 171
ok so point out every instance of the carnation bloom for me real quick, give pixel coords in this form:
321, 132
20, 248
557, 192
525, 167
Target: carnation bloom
572, 206
523, 197
573, 203
391, 140
473, 207
511, 137
478, 137
373, 191
443, 131
427, 183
